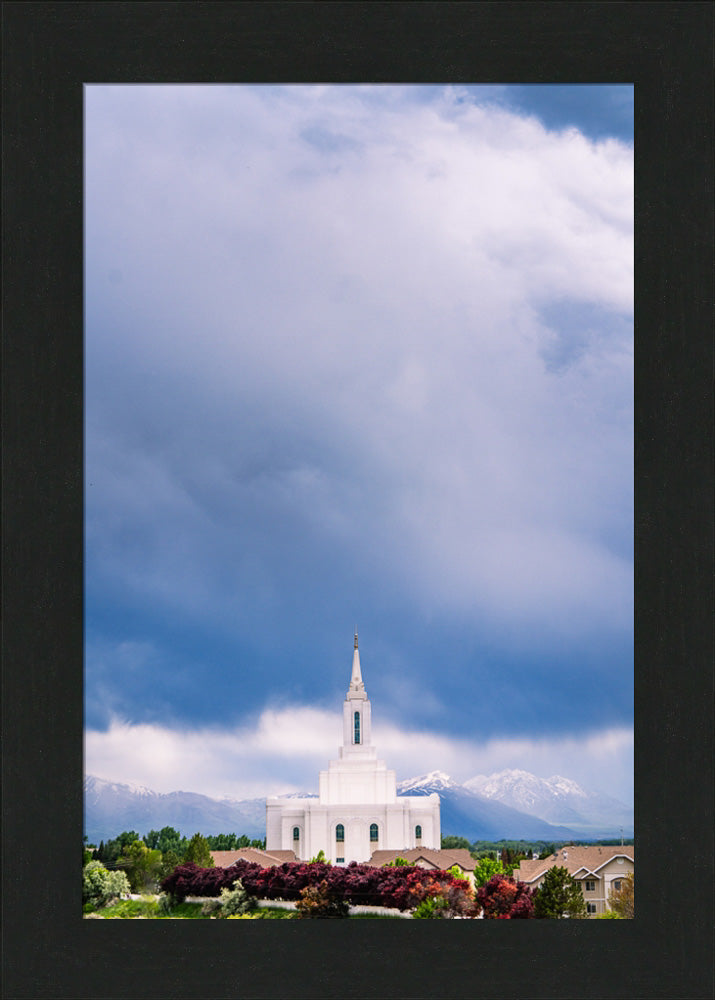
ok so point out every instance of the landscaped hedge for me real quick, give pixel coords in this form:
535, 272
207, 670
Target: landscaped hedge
357, 884
191, 880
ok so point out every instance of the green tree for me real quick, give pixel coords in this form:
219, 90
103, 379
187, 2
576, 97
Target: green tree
169, 861
166, 839
623, 900
113, 848
559, 896
143, 866
199, 852
485, 869
451, 843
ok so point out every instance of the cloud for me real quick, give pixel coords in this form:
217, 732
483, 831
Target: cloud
283, 750
357, 351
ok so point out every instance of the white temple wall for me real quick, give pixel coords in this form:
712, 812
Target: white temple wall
317, 825
357, 781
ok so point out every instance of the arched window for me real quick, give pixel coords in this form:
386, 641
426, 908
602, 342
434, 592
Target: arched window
296, 833
340, 833
357, 727
418, 832
373, 833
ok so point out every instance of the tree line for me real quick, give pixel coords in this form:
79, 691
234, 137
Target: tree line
149, 859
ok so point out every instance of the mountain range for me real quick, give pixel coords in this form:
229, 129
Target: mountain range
508, 805
516, 805
111, 807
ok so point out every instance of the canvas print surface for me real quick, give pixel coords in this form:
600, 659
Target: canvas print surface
359, 499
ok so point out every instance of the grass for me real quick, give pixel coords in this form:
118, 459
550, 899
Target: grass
148, 909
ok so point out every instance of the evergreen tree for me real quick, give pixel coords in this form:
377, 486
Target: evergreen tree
199, 852
559, 896
169, 861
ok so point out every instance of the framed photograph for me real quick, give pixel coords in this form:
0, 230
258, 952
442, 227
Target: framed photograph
355, 496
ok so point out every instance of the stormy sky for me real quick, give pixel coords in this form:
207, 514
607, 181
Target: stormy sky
358, 355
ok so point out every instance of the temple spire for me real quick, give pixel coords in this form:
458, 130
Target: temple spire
357, 688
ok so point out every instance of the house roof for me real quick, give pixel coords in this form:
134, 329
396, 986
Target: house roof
267, 859
579, 860
432, 857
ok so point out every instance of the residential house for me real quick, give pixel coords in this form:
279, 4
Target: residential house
266, 859
436, 860
596, 868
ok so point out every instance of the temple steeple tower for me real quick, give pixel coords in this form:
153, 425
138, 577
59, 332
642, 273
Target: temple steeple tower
357, 688
356, 713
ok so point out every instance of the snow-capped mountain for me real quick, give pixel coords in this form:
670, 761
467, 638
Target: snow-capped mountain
556, 800
98, 786
524, 785
111, 807
435, 781
465, 813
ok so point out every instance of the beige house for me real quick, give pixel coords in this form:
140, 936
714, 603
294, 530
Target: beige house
597, 869
436, 860
266, 859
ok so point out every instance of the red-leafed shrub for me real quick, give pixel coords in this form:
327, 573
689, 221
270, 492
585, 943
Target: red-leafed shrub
444, 896
190, 880
286, 881
503, 898
401, 887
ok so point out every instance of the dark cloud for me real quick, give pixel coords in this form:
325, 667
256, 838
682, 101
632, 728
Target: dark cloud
397, 393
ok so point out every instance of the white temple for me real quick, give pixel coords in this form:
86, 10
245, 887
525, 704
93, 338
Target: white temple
357, 810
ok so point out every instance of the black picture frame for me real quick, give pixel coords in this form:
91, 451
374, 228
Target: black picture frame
50, 50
